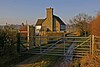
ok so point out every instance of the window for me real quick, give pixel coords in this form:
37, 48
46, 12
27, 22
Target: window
62, 27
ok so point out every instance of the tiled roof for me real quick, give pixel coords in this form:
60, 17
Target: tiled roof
61, 22
40, 21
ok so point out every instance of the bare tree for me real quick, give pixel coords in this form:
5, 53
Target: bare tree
81, 21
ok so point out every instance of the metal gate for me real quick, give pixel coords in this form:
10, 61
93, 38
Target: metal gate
56, 45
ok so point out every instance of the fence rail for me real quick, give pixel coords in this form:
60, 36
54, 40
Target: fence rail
56, 45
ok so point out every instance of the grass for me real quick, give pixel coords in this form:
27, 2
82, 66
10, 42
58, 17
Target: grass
90, 61
9, 61
46, 61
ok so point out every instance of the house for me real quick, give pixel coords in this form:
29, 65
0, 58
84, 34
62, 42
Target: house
51, 23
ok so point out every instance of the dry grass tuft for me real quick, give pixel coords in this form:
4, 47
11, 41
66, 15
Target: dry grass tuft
90, 61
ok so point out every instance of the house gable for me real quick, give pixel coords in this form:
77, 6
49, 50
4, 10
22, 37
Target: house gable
59, 20
47, 24
59, 24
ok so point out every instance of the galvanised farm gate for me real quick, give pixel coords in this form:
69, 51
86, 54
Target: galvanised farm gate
70, 47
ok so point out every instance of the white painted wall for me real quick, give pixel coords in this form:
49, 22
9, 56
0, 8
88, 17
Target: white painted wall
37, 29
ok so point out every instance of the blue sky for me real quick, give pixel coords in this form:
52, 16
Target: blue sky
18, 11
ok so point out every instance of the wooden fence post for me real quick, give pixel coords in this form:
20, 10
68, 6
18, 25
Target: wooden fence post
64, 43
34, 38
40, 45
18, 42
28, 37
92, 44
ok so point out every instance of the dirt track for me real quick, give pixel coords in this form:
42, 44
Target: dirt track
28, 62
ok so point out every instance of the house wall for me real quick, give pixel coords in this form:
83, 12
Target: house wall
37, 29
56, 25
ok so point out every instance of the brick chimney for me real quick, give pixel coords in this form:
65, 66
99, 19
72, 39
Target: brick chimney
49, 13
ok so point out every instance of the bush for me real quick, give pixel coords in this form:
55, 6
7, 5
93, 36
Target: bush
8, 39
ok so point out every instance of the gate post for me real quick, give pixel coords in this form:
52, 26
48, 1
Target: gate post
34, 38
40, 44
92, 44
18, 42
64, 43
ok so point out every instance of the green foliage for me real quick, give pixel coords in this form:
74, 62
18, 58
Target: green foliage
7, 43
8, 36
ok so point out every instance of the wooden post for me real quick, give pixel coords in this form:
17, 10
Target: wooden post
34, 35
64, 46
40, 45
18, 42
64, 43
92, 44
31, 37
28, 38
